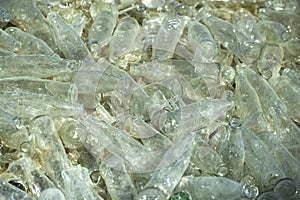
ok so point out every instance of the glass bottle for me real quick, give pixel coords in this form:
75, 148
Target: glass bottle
52, 154
168, 36
284, 159
227, 34
201, 41
29, 43
68, 41
289, 94
248, 105
25, 109
123, 39
232, 150
101, 30
270, 61
287, 132
218, 188
118, 181
273, 32
207, 159
170, 170
61, 90
260, 162
36, 66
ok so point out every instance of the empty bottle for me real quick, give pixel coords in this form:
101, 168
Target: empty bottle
247, 24
288, 19
290, 96
270, 61
201, 41
248, 105
207, 159
118, 181
52, 153
77, 183
67, 40
169, 171
29, 43
62, 90
287, 132
273, 32
36, 180
228, 35
284, 159
260, 162
36, 66
123, 38
232, 150
26, 12
192, 117
168, 36
267, 96
44, 105
218, 188
101, 30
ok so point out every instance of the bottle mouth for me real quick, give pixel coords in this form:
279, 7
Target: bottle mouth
269, 195
286, 188
250, 191
222, 170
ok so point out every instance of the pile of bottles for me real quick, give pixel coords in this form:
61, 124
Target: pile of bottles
149, 99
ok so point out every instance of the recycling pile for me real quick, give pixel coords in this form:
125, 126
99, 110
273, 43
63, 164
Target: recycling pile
149, 99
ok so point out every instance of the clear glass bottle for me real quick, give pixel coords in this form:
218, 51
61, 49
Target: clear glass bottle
101, 30
248, 105
29, 43
168, 36
61, 90
68, 41
124, 36
118, 181
260, 162
284, 159
218, 188
232, 150
227, 34
201, 41
170, 170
